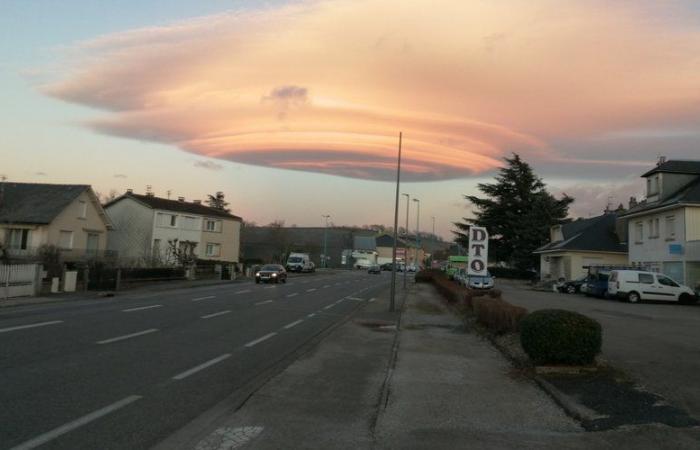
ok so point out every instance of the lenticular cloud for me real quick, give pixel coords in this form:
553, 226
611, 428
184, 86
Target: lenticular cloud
325, 86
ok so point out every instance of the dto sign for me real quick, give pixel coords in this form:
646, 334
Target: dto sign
478, 251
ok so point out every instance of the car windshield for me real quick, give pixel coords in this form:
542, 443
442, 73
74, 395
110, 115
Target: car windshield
271, 267
295, 259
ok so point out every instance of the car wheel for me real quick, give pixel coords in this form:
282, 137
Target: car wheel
687, 299
571, 289
633, 297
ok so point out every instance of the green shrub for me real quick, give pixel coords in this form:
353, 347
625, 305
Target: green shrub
497, 315
554, 336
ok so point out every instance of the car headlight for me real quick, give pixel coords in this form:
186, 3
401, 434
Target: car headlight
257, 274
274, 274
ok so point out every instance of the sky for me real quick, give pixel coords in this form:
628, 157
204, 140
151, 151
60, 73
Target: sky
293, 108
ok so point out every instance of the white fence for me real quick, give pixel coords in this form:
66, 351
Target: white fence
17, 280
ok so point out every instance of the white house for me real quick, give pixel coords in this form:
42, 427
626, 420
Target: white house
663, 231
146, 226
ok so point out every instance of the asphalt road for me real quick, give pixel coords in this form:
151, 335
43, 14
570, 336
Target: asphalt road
657, 344
126, 372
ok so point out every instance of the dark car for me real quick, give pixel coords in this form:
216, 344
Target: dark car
374, 268
572, 286
274, 273
597, 284
386, 266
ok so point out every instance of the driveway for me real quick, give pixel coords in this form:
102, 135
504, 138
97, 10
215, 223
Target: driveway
657, 344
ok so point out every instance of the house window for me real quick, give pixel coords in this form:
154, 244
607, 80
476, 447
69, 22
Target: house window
189, 223
670, 227
93, 243
65, 240
213, 249
82, 209
653, 185
639, 232
17, 238
653, 228
173, 220
213, 225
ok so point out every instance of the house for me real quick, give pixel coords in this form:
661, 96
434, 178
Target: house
576, 245
150, 230
68, 216
664, 230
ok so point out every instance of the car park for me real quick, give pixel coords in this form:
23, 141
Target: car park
271, 273
637, 285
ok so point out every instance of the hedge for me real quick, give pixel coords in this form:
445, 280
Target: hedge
555, 336
516, 274
497, 315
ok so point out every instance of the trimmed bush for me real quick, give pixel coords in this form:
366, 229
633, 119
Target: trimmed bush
424, 276
555, 336
497, 315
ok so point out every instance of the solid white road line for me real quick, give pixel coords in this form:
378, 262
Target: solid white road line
293, 295
220, 313
262, 303
269, 287
329, 306
32, 325
355, 298
259, 340
141, 308
326, 286
293, 324
311, 290
311, 315
194, 370
127, 336
70, 426
203, 298
244, 291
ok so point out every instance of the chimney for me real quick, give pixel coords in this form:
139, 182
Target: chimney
129, 191
633, 202
149, 190
197, 202
181, 199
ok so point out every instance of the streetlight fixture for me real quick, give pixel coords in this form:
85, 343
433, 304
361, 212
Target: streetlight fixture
325, 242
417, 232
405, 250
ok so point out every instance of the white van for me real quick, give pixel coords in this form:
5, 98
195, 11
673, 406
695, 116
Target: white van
637, 285
300, 262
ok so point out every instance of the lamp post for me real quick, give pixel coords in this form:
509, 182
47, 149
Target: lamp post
325, 242
417, 231
392, 292
405, 250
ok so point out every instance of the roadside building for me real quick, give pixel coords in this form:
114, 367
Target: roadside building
576, 245
364, 251
406, 250
664, 229
149, 229
67, 216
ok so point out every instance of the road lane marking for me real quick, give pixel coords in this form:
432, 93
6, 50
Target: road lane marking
244, 291
31, 325
329, 306
141, 308
70, 426
338, 284
259, 340
220, 313
326, 286
357, 299
293, 324
269, 287
311, 290
292, 295
311, 315
203, 366
127, 336
372, 300
262, 303
198, 299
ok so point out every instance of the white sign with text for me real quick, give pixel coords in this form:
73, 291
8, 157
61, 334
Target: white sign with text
478, 251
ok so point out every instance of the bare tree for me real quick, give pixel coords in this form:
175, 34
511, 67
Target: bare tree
181, 252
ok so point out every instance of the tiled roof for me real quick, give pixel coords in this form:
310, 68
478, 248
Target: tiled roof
676, 166
690, 193
175, 205
35, 203
596, 234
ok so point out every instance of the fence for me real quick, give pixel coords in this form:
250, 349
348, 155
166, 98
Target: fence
17, 280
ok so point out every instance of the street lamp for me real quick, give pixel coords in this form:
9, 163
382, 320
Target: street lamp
405, 250
417, 230
392, 291
325, 242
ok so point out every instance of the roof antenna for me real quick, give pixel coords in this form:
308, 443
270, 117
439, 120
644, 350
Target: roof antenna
169, 192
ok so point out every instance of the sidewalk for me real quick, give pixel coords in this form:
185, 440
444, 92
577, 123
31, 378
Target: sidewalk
445, 388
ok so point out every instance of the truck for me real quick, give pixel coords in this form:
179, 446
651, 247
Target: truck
300, 262
455, 263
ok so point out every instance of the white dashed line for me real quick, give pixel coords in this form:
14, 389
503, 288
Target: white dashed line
142, 308
198, 299
311, 290
203, 366
326, 286
220, 313
293, 324
33, 325
263, 303
329, 306
372, 300
70, 426
127, 336
355, 298
259, 340
269, 287
311, 315
244, 291
292, 295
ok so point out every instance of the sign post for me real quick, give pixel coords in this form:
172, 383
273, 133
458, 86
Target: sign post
478, 251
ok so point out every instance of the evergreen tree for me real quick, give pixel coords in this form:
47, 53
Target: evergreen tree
217, 202
517, 211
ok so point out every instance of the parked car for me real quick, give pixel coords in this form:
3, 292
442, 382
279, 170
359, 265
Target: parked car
374, 268
637, 285
597, 284
480, 282
274, 273
386, 266
572, 286
460, 277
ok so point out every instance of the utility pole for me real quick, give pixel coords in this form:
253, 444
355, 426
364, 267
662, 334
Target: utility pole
405, 250
417, 232
392, 294
434, 235
325, 242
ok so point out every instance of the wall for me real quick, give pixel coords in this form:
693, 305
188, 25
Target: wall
166, 233
570, 265
133, 229
655, 249
229, 238
69, 219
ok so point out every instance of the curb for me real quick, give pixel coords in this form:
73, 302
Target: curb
570, 406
